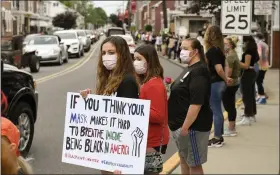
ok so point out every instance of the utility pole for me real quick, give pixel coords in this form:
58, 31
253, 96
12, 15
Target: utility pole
164, 13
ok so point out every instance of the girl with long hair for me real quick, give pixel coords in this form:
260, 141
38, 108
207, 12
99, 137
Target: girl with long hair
189, 114
214, 47
116, 75
230, 92
150, 72
250, 56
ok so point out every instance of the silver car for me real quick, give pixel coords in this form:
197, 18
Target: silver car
84, 39
49, 48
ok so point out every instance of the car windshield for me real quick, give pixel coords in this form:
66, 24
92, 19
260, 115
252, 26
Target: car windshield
43, 41
6, 45
66, 35
81, 33
28, 38
116, 32
89, 32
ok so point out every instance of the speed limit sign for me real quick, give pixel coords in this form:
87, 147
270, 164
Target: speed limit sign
236, 17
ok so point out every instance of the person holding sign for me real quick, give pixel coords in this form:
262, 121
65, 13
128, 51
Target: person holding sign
189, 114
214, 47
150, 72
115, 73
248, 79
230, 92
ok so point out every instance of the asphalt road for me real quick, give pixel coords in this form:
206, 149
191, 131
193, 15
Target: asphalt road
46, 149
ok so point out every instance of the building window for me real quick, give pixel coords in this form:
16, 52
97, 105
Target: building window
185, 2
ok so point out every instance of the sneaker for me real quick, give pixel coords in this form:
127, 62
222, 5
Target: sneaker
244, 121
253, 119
241, 117
230, 133
214, 142
261, 101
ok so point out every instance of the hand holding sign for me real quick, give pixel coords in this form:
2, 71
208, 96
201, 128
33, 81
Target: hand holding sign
137, 137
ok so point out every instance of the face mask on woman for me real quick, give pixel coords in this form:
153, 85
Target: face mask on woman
109, 61
227, 48
140, 66
185, 56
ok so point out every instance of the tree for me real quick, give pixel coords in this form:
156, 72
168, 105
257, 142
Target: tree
65, 20
115, 20
148, 28
69, 4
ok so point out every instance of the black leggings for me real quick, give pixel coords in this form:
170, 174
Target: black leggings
229, 102
260, 79
248, 80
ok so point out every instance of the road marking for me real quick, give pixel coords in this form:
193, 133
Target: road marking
173, 162
69, 69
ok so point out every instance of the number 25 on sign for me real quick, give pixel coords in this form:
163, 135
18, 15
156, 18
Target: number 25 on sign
236, 17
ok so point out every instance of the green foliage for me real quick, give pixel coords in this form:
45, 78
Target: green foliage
115, 20
86, 9
148, 28
65, 20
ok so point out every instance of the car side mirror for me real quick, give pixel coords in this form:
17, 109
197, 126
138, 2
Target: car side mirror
61, 43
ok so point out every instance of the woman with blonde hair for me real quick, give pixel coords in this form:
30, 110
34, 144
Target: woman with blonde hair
214, 47
116, 75
233, 72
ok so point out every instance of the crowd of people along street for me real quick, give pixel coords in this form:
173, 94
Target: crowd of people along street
213, 75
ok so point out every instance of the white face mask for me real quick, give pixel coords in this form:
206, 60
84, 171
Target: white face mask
109, 61
140, 66
185, 56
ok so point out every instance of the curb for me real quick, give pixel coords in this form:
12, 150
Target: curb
173, 162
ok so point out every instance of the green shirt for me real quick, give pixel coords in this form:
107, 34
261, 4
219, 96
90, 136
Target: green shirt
234, 64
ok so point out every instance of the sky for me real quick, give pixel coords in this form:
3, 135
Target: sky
110, 6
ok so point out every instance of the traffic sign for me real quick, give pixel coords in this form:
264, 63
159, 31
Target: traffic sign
263, 7
236, 17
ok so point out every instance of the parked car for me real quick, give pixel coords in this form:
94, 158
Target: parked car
130, 42
115, 31
73, 44
92, 36
28, 38
49, 48
84, 39
12, 53
20, 89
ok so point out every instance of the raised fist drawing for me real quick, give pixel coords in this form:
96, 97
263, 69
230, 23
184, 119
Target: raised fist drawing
137, 137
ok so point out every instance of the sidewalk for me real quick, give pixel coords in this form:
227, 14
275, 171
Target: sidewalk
256, 148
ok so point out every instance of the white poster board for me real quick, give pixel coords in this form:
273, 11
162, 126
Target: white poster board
236, 17
263, 7
106, 133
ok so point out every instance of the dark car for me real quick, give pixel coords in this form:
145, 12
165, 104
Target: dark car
12, 53
115, 31
20, 90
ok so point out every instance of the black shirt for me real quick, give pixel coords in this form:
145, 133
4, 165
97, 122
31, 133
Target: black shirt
128, 88
254, 57
192, 87
215, 56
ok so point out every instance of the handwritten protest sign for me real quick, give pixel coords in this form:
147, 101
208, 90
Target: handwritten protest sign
106, 133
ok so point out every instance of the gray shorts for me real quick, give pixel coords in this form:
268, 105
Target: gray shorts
193, 148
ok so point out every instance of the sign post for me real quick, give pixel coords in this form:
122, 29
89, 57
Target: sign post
236, 17
106, 133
